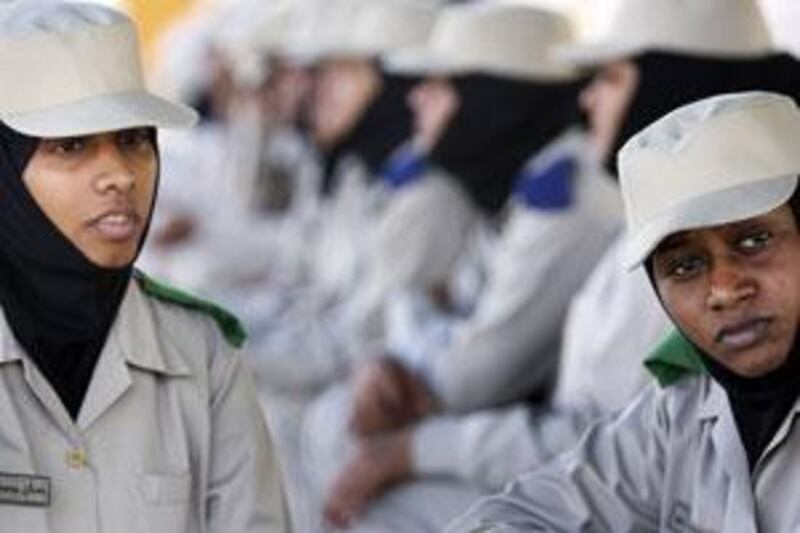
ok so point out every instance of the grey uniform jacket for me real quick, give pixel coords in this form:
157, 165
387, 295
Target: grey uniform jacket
169, 438
508, 346
671, 462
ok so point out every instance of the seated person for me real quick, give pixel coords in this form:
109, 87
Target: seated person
712, 209
124, 405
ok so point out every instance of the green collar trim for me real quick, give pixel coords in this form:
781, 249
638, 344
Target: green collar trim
229, 325
673, 359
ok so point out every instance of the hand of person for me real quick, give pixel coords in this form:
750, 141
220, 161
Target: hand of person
387, 397
380, 463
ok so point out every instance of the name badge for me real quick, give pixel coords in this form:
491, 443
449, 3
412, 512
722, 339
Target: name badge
21, 489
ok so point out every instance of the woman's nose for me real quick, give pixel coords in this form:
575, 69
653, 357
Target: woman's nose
729, 285
113, 170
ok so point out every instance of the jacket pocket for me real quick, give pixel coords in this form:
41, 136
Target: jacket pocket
165, 489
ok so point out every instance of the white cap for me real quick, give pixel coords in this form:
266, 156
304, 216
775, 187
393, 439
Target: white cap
384, 27
500, 38
74, 69
712, 162
359, 28
248, 32
713, 28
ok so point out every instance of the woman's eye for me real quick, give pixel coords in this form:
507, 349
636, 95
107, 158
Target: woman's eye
684, 267
67, 146
755, 241
136, 138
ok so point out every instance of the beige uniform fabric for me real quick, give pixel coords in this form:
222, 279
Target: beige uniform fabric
673, 461
170, 437
418, 241
509, 346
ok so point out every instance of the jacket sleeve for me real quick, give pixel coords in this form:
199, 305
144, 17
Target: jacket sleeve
612, 482
489, 448
509, 347
418, 241
244, 490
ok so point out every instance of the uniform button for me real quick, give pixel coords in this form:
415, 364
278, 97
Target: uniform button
76, 459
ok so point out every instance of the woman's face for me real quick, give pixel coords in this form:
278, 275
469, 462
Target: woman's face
735, 289
606, 101
434, 102
343, 88
97, 190
290, 86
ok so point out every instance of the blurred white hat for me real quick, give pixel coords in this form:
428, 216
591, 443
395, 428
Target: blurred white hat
74, 69
359, 28
712, 162
714, 28
501, 38
248, 31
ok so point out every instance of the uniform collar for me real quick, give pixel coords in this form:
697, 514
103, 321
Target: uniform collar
714, 402
10, 349
139, 341
133, 337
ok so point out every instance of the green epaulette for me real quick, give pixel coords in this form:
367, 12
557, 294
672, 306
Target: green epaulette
674, 359
231, 327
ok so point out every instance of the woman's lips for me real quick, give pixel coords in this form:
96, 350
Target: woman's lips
743, 334
117, 225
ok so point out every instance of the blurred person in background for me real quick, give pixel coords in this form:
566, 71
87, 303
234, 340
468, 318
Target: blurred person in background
712, 208
252, 170
357, 117
125, 406
214, 164
513, 148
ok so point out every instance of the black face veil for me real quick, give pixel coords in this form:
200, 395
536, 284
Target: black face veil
59, 305
385, 124
501, 123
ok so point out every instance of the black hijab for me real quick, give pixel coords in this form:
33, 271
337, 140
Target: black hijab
500, 124
670, 80
59, 305
385, 124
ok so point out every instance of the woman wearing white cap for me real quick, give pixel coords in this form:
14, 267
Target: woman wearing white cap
602, 352
358, 116
124, 406
657, 56
713, 214
511, 145
675, 59
601, 357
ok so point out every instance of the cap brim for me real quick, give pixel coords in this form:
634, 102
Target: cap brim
103, 113
420, 60
714, 209
426, 62
594, 54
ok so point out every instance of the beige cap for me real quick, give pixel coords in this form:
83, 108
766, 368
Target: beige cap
716, 161
74, 69
500, 38
358, 28
713, 28
247, 33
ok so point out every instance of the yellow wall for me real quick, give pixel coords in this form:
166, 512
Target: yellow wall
153, 17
